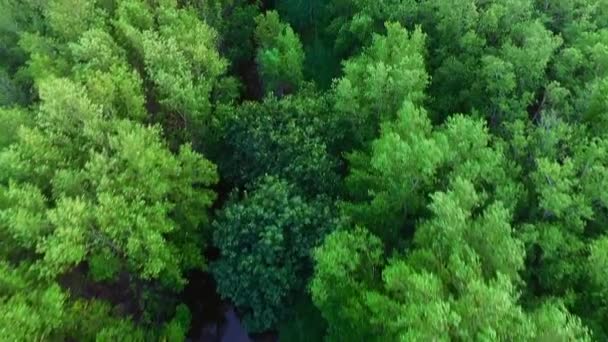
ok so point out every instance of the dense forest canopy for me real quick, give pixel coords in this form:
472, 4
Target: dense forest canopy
344, 170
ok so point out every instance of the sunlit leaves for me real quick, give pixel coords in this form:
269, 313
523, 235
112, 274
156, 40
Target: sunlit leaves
376, 83
346, 265
96, 190
280, 56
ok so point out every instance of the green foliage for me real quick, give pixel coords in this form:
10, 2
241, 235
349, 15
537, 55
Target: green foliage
304, 324
93, 320
291, 137
390, 184
11, 121
376, 83
235, 22
265, 241
76, 200
29, 311
177, 328
457, 283
354, 22
132, 56
280, 55
459, 146
182, 63
345, 265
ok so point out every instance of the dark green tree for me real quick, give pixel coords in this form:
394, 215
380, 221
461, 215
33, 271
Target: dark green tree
265, 241
293, 137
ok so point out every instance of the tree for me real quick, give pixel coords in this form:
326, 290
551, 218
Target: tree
235, 22
134, 56
12, 119
265, 241
346, 264
106, 193
292, 138
180, 59
280, 56
449, 286
389, 185
376, 83
353, 23
28, 311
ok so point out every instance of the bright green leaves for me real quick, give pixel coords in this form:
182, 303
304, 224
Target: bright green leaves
182, 62
489, 312
133, 18
413, 306
104, 265
11, 120
85, 191
563, 213
489, 226
195, 38
376, 83
483, 245
29, 308
137, 216
118, 91
457, 282
66, 246
32, 313
96, 49
265, 241
598, 260
131, 58
66, 127
173, 77
68, 117
110, 82
346, 265
500, 81
134, 215
402, 162
530, 49
102, 192
491, 57
68, 19
280, 56
390, 183
493, 229
596, 105
177, 328
555, 323
26, 222
556, 186
437, 290
179, 57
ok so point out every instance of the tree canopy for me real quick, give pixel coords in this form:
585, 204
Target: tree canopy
335, 170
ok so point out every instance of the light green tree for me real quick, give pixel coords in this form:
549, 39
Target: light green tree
81, 189
280, 56
457, 282
376, 83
